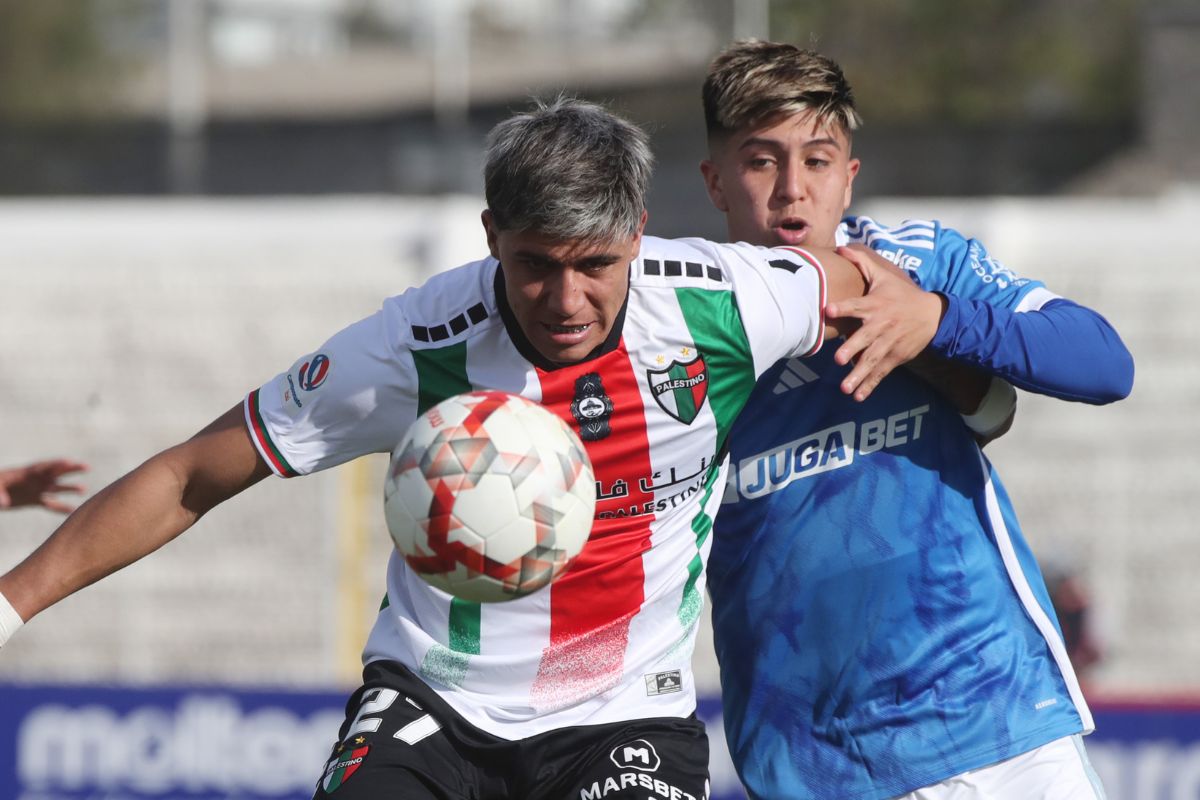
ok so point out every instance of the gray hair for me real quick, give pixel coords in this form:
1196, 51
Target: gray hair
568, 169
752, 81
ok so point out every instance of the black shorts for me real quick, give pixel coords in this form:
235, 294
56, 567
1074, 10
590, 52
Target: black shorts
400, 741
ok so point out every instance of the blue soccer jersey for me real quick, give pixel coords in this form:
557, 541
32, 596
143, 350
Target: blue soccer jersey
880, 622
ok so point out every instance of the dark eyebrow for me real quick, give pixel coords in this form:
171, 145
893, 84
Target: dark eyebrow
758, 141
596, 260
540, 258
600, 260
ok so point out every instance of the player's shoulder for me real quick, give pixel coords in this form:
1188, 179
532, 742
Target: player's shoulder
449, 308
671, 263
705, 264
912, 244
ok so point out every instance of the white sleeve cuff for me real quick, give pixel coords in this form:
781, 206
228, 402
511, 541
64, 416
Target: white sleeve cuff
994, 410
10, 620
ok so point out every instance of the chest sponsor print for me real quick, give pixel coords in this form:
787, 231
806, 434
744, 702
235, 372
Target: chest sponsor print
829, 449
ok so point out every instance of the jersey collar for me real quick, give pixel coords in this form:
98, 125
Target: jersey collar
531, 354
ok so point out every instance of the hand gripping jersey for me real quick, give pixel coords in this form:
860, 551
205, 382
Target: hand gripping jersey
880, 623
612, 639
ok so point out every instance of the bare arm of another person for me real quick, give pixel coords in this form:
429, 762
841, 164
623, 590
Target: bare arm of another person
987, 403
40, 484
137, 514
886, 318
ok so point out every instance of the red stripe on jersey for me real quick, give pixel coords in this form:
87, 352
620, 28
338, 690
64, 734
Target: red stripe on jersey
815, 264
594, 602
265, 445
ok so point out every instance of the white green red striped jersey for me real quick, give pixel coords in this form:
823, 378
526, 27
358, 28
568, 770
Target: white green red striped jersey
612, 638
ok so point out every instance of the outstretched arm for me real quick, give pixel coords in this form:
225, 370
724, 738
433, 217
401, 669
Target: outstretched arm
137, 514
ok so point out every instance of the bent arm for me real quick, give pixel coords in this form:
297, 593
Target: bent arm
1063, 349
137, 514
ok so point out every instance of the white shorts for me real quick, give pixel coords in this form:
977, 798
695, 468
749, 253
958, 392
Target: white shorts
1059, 770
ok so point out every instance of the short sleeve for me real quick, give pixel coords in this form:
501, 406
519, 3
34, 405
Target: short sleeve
354, 395
781, 294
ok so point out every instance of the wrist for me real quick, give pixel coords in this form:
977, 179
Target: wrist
10, 620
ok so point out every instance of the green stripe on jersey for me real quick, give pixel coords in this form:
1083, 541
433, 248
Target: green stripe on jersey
716, 327
692, 602
261, 428
685, 402
715, 324
442, 373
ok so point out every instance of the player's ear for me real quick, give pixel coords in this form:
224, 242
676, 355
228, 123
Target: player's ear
712, 182
489, 230
851, 171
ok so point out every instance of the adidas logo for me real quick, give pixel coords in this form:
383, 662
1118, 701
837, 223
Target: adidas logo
795, 374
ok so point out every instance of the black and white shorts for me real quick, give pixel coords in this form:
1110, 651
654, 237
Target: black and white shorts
401, 741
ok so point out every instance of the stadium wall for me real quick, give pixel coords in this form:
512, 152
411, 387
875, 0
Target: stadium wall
127, 325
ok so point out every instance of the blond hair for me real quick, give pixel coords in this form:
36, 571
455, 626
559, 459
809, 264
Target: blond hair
752, 81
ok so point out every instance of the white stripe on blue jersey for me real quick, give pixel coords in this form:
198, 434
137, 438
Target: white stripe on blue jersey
1004, 541
910, 233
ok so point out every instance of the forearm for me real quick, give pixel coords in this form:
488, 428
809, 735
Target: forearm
1063, 350
138, 514
127, 520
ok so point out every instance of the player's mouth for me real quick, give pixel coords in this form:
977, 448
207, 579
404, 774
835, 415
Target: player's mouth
792, 230
567, 335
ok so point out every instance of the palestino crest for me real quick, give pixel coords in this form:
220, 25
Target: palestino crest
680, 389
342, 766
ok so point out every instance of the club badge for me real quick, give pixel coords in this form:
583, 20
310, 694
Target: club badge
342, 766
680, 389
592, 408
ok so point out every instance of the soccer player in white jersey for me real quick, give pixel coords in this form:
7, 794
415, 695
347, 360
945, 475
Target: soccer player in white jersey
583, 690
881, 626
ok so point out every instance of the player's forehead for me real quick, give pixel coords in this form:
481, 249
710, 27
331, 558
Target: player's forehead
795, 129
567, 250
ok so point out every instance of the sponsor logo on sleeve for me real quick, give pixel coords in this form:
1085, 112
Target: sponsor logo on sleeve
305, 376
990, 270
314, 372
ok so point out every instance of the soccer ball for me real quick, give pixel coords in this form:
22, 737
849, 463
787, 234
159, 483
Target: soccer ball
489, 496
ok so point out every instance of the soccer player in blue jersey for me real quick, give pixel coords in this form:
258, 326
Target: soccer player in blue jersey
882, 627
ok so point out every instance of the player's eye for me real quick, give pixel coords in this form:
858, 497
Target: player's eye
596, 267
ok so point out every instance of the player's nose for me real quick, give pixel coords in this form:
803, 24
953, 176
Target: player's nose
563, 292
790, 185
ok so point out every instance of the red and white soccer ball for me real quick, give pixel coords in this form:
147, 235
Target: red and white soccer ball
489, 496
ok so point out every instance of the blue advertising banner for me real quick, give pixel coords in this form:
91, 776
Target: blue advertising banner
75, 742
189, 743
1147, 749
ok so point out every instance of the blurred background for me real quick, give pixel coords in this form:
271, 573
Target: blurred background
193, 193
